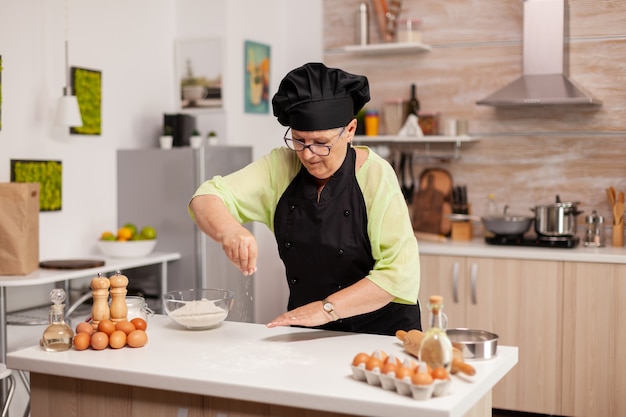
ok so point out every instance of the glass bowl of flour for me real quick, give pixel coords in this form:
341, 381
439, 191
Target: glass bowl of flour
198, 309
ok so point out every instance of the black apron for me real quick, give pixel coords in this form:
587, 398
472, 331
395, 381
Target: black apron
325, 247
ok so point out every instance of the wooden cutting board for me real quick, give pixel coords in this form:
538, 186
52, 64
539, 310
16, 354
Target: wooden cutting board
431, 204
71, 264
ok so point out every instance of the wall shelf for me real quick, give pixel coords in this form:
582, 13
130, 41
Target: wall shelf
389, 139
411, 144
383, 48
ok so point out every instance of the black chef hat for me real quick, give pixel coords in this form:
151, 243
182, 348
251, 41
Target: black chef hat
315, 97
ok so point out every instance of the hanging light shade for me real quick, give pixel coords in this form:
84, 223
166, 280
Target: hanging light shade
68, 112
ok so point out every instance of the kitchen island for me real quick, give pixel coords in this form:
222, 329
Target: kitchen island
239, 369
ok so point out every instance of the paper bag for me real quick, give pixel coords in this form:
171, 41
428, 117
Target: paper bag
19, 228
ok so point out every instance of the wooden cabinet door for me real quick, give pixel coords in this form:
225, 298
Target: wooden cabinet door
521, 301
594, 340
444, 275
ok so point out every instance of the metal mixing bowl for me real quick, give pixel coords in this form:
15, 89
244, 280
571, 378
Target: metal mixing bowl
476, 344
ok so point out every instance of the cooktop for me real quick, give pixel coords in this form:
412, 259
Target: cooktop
536, 241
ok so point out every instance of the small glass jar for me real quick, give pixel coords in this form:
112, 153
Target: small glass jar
137, 307
594, 231
371, 122
407, 31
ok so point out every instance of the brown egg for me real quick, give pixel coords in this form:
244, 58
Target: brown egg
117, 339
139, 323
421, 378
125, 326
106, 326
82, 340
360, 358
137, 338
99, 340
84, 327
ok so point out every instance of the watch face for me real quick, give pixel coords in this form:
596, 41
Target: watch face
328, 307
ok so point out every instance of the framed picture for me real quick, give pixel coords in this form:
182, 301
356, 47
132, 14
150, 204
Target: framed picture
199, 73
49, 175
87, 85
257, 77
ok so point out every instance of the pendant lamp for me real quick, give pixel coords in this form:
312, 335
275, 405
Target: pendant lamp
68, 112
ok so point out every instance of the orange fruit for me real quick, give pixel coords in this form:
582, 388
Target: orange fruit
124, 233
106, 235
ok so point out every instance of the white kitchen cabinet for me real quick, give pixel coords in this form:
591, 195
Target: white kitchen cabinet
521, 301
594, 337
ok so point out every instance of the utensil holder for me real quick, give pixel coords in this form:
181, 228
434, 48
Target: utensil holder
462, 231
618, 235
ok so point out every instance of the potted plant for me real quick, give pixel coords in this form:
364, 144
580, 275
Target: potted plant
212, 137
196, 139
167, 138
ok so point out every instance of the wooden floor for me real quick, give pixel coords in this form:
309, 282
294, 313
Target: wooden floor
508, 413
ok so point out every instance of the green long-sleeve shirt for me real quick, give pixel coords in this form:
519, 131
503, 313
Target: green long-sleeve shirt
252, 194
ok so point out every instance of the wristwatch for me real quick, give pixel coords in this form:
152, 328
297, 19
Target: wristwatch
330, 309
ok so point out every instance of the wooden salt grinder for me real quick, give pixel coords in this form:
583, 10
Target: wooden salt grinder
100, 293
119, 309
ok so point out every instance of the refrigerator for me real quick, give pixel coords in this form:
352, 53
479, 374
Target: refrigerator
154, 188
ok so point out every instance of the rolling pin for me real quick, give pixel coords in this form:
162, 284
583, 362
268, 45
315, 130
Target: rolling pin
412, 341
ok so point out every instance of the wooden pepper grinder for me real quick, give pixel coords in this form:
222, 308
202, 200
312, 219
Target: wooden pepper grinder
119, 309
100, 293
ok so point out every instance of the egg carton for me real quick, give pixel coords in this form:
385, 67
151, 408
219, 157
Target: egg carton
389, 382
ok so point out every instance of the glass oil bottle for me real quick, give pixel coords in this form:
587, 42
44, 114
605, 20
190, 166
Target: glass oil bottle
58, 335
436, 347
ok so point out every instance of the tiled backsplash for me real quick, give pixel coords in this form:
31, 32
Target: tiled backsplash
525, 156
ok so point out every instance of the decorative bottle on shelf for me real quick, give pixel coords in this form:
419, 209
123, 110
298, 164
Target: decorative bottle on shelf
58, 335
492, 206
413, 106
436, 347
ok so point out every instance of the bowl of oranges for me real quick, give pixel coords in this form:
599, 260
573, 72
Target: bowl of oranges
128, 242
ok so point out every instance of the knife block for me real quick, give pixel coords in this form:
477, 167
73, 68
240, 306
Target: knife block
462, 231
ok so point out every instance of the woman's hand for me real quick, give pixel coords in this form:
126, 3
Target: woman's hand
308, 315
238, 243
241, 248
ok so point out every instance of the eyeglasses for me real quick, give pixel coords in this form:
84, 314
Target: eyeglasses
317, 149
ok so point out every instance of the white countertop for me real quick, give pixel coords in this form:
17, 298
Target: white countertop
478, 248
46, 276
285, 366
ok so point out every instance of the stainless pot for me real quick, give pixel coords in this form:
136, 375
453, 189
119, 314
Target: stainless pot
556, 220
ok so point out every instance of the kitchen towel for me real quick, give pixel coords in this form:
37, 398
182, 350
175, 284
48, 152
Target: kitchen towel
19, 228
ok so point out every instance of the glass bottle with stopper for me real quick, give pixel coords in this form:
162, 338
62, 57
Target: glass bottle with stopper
436, 347
58, 335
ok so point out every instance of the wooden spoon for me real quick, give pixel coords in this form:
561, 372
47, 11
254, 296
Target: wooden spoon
610, 193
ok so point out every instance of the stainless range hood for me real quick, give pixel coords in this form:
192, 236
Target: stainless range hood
544, 80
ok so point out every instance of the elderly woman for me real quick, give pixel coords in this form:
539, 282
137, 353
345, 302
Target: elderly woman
340, 220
